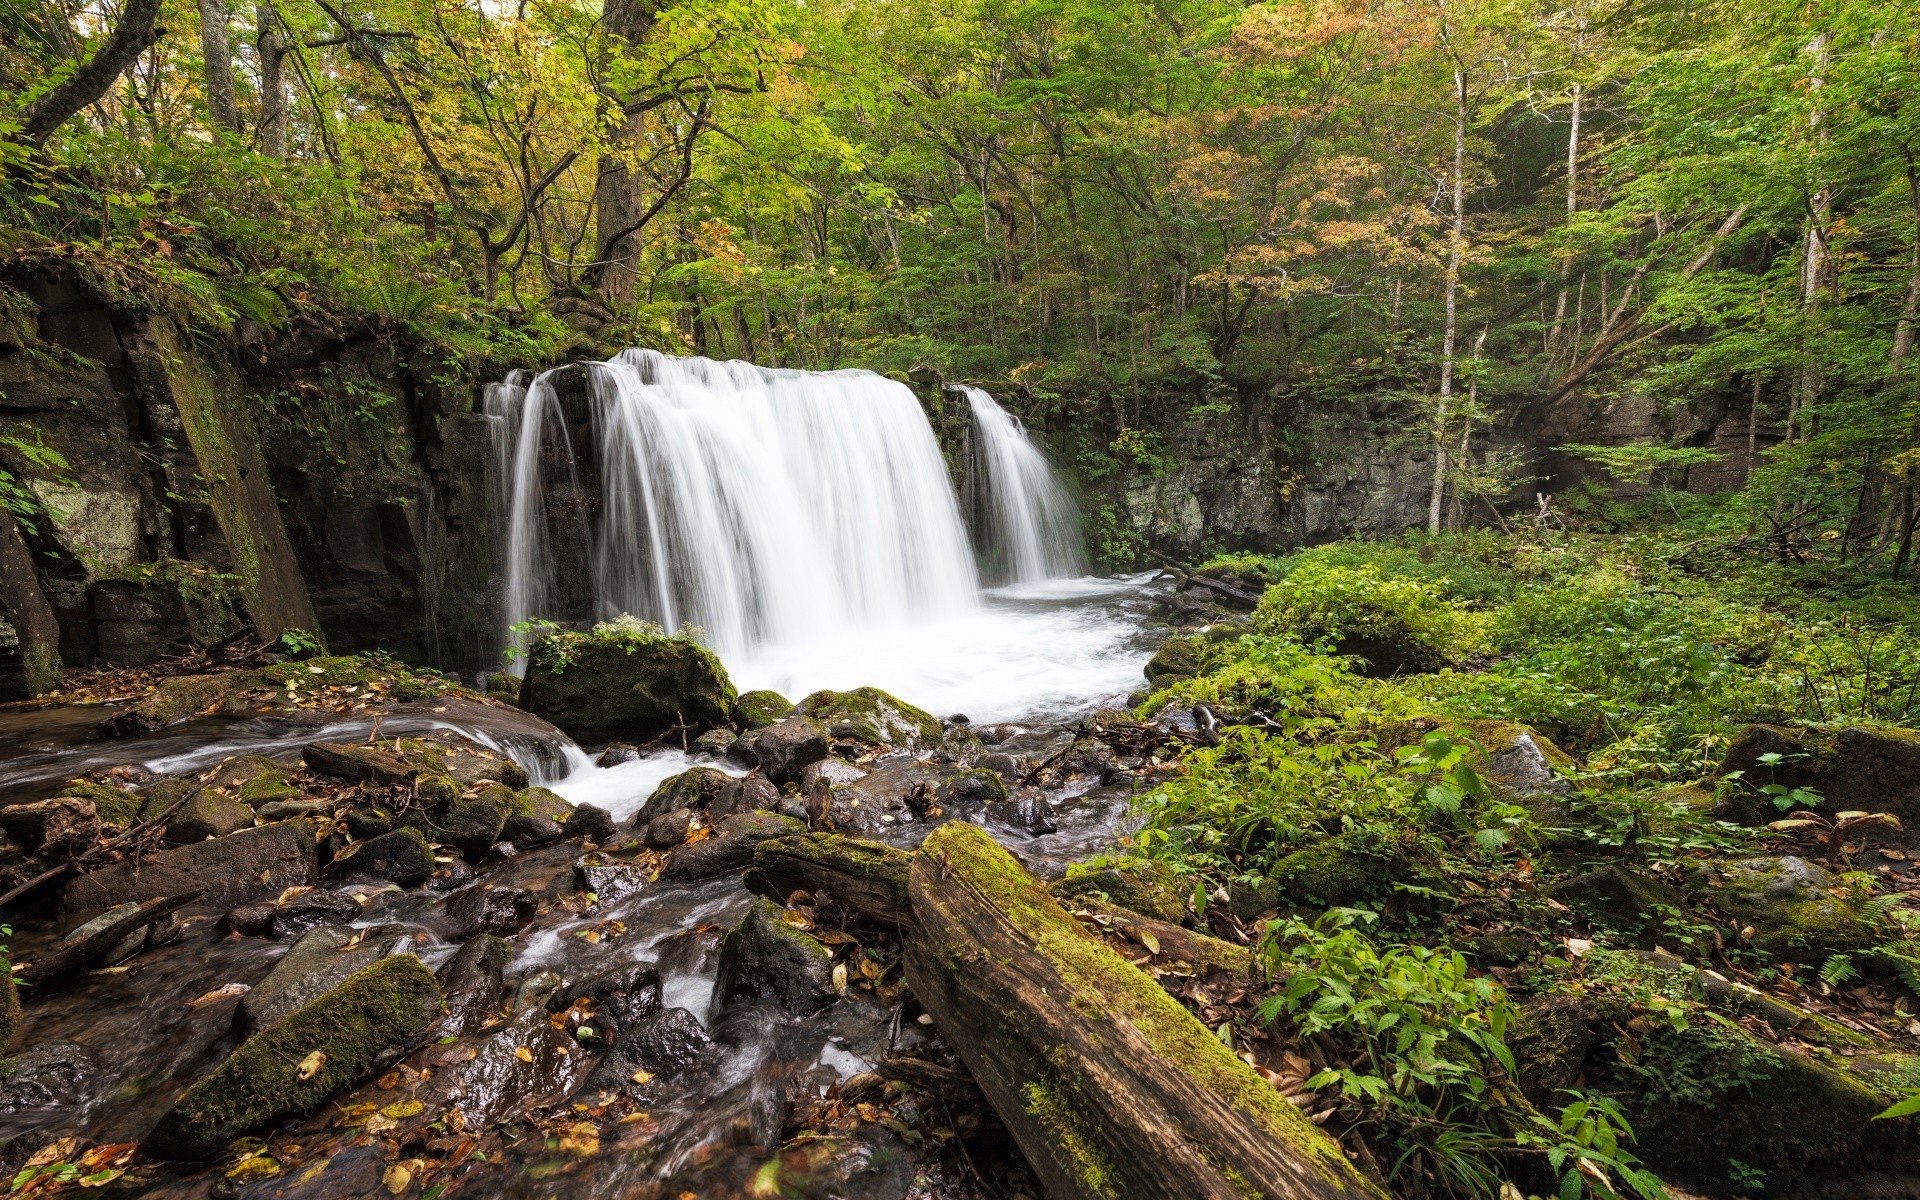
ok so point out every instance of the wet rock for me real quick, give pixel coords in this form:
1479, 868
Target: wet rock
523, 1063
529, 832
368, 821
832, 770
692, 789
1139, 884
730, 849
629, 685
1176, 659
264, 860
449, 755
749, 793
175, 700
437, 794
484, 908
161, 795
787, 747
269, 787
1789, 903
48, 1076
311, 909
759, 709
250, 920
716, 741
473, 826
1006, 766
364, 1022
319, 961
542, 802
401, 857
1550, 1040
667, 830
764, 960
589, 821
982, 785
60, 827
101, 940
617, 753
210, 813
1622, 901
1029, 814
873, 718
608, 1003
608, 881
114, 806
657, 1048
473, 982
357, 763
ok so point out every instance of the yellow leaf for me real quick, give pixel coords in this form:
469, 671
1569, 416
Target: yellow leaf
840, 977
641, 1077
1151, 942
400, 1110
311, 1064
523, 1054
397, 1178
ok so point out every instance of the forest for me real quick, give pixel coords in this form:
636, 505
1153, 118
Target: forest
1290, 598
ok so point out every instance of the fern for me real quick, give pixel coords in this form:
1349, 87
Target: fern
1838, 969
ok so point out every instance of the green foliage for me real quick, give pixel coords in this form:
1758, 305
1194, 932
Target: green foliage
29, 454
1408, 624
1636, 462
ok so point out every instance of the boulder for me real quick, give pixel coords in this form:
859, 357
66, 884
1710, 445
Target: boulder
51, 1075
114, 806
484, 908
589, 821
473, 826
1518, 762
1139, 884
1790, 904
400, 857
444, 754
1858, 767
731, 847
609, 1002
659, 1047
1621, 901
761, 708
749, 793
59, 828
309, 910
625, 685
175, 700
320, 960
540, 802
667, 830
525, 832
294, 1067
982, 785
1176, 659
474, 982
368, 821
1032, 815
787, 747
833, 771
764, 960
264, 860
607, 880
691, 789
209, 813
873, 718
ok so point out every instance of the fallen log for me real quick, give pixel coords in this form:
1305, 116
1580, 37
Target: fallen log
84, 951
1177, 943
1109, 1085
869, 878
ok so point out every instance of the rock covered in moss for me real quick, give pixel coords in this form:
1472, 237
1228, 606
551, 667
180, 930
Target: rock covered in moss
400, 856
692, 789
474, 825
760, 708
1348, 868
1138, 884
114, 806
764, 960
1518, 762
1622, 901
621, 684
62, 826
364, 1022
1858, 767
975, 787
1797, 910
1177, 658
319, 960
872, 718
210, 813
543, 803
787, 747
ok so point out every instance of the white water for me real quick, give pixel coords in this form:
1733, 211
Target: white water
1031, 527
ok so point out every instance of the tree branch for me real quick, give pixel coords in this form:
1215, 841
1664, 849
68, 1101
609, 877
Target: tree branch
90, 81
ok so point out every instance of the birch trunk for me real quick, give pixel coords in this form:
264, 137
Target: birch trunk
217, 54
1455, 249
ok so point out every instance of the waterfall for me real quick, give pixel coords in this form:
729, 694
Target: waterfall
760, 505
1029, 526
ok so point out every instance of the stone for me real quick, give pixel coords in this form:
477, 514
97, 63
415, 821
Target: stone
617, 753
691, 789
250, 920
982, 785
473, 826
1029, 814
873, 718
1139, 884
749, 793
363, 1023
456, 757
317, 962
1863, 767
530, 833
484, 908
284, 810
787, 747
1790, 904
400, 857
730, 849
270, 787
659, 1047
608, 880
474, 982
357, 763
610, 1001
264, 860
368, 821
764, 960
1518, 762
625, 685
60, 827
310, 909
761, 708
1176, 659
210, 813
1616, 899
114, 806
174, 701
833, 770
716, 741
51, 1075
589, 821
667, 830
543, 803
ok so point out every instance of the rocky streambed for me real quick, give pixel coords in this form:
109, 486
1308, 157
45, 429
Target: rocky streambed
316, 929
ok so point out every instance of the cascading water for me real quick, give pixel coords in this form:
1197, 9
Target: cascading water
1029, 525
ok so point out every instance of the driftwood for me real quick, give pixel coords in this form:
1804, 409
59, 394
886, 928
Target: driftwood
868, 878
1109, 1085
90, 950
1206, 955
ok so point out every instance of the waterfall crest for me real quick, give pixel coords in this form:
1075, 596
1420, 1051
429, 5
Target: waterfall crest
1029, 526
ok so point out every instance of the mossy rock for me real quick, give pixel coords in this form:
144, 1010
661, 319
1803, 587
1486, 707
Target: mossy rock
873, 718
1875, 768
438, 793
625, 685
1622, 901
267, 787
539, 802
1140, 885
1393, 625
1176, 659
112, 805
503, 687
208, 814
760, 708
1349, 868
174, 701
160, 796
1790, 904
1518, 762
461, 759
357, 1026
977, 786
368, 821
693, 789
765, 960
473, 826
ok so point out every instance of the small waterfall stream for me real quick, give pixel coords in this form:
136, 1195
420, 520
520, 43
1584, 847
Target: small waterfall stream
1030, 527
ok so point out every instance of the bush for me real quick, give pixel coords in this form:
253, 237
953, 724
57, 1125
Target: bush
1396, 625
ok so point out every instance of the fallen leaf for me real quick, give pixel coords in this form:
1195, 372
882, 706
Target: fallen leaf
400, 1110
311, 1064
523, 1054
397, 1178
53, 1152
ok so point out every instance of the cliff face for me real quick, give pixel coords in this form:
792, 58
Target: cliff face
167, 485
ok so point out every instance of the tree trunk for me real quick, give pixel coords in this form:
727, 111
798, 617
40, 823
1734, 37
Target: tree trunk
1813, 254
1573, 208
1109, 1085
1455, 238
272, 53
870, 879
90, 81
217, 56
1910, 310
617, 208
24, 607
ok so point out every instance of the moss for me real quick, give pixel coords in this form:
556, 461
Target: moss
1142, 885
1177, 658
9, 1005
761, 708
628, 685
1617, 899
161, 796
210, 600
1350, 867
1394, 625
870, 715
1091, 968
113, 806
976, 786
1790, 903
473, 826
374, 1013
539, 802
267, 787
1061, 1119
438, 793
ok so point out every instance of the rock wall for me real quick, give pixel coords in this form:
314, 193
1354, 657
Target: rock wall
171, 488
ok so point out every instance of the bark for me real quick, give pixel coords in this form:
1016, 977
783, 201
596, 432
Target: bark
272, 51
24, 607
1573, 208
617, 207
1109, 1085
1903, 332
868, 878
1456, 236
216, 54
134, 32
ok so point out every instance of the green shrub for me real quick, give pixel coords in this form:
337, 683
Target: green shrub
1397, 625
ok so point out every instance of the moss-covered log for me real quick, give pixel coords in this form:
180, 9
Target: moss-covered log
1110, 1086
867, 877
